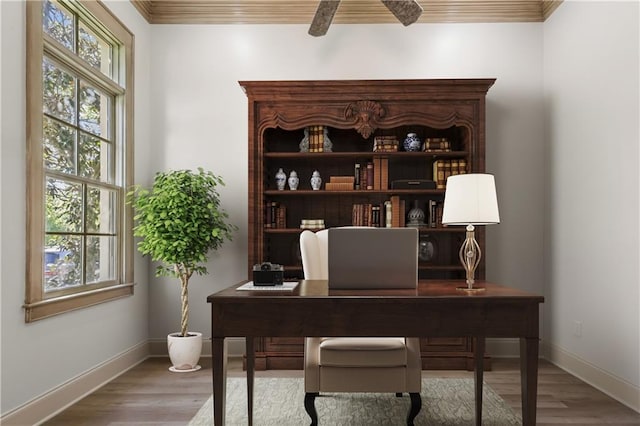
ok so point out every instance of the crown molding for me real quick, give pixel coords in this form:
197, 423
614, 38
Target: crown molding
349, 12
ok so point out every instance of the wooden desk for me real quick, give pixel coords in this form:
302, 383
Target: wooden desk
435, 309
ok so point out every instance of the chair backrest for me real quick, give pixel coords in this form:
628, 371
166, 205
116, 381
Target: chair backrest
366, 258
314, 251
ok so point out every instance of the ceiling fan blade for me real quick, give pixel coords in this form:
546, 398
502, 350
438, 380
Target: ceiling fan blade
323, 17
407, 11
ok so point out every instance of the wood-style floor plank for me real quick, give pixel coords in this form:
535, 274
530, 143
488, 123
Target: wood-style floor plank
151, 395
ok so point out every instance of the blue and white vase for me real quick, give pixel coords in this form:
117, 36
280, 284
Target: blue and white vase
293, 180
412, 142
316, 180
281, 179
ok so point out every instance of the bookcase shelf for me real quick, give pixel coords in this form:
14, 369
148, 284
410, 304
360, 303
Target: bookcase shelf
356, 115
365, 192
319, 156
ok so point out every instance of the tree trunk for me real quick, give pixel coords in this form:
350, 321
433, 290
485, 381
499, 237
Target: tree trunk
184, 321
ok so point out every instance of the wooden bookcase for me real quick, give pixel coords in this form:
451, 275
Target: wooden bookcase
355, 112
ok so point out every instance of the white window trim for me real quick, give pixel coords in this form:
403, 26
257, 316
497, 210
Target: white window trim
37, 305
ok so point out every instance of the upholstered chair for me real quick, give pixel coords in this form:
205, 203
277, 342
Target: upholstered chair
355, 364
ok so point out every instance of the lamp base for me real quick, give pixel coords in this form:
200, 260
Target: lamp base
471, 290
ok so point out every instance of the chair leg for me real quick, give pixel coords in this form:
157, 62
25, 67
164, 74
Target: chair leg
310, 408
416, 405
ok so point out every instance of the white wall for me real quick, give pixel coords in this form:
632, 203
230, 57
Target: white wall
40, 356
200, 119
591, 72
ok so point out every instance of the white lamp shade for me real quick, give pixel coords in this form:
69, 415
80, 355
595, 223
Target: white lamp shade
470, 199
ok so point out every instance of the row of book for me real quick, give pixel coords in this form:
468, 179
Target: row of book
393, 213
275, 215
436, 145
373, 176
385, 144
442, 169
316, 138
340, 183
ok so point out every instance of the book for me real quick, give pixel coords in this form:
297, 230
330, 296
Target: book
267, 215
454, 167
385, 144
438, 174
281, 217
384, 173
376, 173
395, 211
462, 166
338, 186
447, 171
363, 177
356, 176
375, 216
436, 145
387, 214
342, 179
432, 214
370, 177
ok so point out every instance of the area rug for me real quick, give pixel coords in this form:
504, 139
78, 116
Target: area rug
279, 401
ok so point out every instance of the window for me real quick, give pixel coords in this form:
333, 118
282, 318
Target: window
79, 157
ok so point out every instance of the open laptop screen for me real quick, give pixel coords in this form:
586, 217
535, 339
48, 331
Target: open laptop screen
373, 258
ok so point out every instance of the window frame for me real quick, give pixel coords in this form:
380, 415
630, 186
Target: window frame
39, 305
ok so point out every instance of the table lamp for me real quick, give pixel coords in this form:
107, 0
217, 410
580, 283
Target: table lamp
470, 199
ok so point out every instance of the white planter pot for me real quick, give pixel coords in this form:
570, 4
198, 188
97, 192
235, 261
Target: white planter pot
184, 352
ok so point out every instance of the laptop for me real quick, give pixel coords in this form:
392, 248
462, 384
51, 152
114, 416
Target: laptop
367, 258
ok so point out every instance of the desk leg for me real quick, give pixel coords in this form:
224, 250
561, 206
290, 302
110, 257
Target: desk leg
529, 379
250, 371
219, 371
479, 376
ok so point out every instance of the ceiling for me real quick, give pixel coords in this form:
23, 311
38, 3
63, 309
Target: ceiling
349, 12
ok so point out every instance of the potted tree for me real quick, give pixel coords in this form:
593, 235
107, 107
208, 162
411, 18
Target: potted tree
180, 220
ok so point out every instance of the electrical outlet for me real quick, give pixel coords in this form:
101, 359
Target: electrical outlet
577, 328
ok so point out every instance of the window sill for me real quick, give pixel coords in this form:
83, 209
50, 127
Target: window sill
58, 305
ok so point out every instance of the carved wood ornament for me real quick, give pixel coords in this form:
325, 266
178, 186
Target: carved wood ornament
366, 116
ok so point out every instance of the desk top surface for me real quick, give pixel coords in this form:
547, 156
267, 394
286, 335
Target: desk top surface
312, 289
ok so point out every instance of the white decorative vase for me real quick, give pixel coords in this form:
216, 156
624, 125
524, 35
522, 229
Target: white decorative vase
412, 142
293, 180
281, 179
316, 181
184, 352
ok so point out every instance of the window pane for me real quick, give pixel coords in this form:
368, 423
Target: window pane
101, 259
58, 23
94, 158
63, 206
59, 97
95, 110
94, 49
58, 146
63, 262
101, 210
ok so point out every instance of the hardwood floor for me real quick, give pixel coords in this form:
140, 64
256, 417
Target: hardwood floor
150, 394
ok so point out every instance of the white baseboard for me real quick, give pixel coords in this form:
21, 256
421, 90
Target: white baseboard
58, 399
616, 387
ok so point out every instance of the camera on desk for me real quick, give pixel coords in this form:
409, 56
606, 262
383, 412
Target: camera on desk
267, 273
